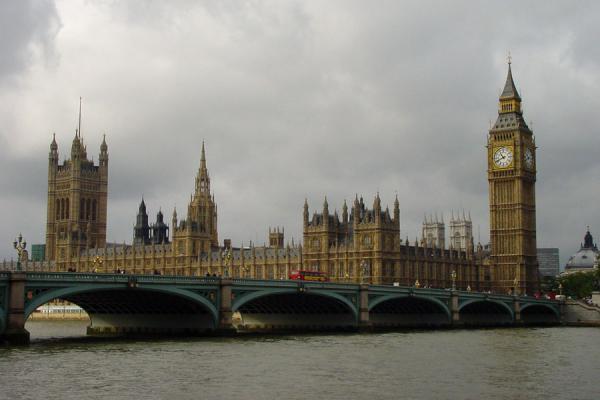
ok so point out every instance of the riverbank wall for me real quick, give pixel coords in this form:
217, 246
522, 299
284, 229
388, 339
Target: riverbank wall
575, 313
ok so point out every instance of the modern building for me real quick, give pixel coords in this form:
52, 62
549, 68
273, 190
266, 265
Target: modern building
364, 245
586, 258
549, 263
38, 252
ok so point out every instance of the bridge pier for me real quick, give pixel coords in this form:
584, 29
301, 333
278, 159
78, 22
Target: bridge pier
454, 310
364, 324
517, 311
15, 332
225, 325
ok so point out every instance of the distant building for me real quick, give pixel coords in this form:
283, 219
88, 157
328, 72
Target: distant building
461, 232
549, 265
434, 232
38, 252
586, 258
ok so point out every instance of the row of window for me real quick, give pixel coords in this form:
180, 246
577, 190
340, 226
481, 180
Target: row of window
88, 209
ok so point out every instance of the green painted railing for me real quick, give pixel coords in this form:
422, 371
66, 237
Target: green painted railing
95, 277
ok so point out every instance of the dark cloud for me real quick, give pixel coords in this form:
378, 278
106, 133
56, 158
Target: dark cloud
301, 100
27, 28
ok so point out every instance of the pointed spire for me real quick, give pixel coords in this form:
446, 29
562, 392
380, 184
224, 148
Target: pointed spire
79, 129
53, 145
103, 146
202, 179
510, 91
377, 203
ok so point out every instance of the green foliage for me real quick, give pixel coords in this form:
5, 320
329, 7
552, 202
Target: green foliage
580, 284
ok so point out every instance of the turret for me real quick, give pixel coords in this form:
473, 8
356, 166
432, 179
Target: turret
103, 153
356, 211
305, 214
397, 211
325, 212
53, 156
141, 231
345, 213
377, 208
76, 148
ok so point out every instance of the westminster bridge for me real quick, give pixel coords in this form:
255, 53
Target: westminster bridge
120, 304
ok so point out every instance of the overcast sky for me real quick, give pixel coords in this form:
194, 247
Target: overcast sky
298, 99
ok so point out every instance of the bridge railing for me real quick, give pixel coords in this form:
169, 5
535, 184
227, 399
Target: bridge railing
291, 283
100, 277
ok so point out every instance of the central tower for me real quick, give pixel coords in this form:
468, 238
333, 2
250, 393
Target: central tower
198, 233
511, 176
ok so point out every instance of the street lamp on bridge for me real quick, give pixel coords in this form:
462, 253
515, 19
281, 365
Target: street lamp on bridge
227, 255
453, 277
365, 271
19, 244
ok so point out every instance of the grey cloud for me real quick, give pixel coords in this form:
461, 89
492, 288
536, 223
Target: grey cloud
307, 99
26, 27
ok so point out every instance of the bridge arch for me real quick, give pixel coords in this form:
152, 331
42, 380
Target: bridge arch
116, 309
397, 310
539, 313
485, 312
292, 309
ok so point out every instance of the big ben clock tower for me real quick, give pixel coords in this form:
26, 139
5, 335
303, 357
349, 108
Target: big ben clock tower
511, 177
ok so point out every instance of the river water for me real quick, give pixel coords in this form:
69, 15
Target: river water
524, 363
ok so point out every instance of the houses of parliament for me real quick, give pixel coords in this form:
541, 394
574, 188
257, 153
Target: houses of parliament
363, 244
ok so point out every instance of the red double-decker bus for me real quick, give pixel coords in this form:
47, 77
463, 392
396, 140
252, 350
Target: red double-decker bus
301, 275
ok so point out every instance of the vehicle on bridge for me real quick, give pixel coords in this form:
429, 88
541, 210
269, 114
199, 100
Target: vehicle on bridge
302, 275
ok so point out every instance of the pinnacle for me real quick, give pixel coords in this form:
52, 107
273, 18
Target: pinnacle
510, 90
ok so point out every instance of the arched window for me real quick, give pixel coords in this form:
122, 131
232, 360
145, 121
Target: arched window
81, 207
58, 209
94, 210
67, 209
88, 209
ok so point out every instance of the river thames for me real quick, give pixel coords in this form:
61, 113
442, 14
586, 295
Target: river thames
522, 363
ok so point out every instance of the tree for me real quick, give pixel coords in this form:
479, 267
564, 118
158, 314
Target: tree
580, 284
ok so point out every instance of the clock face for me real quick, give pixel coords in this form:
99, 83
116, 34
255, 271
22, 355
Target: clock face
528, 158
503, 157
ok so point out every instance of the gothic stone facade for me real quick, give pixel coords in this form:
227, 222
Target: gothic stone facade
363, 246
77, 195
511, 176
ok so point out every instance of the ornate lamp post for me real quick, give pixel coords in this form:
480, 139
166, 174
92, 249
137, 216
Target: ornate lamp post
227, 256
453, 277
97, 264
364, 271
19, 244
560, 288
244, 269
515, 286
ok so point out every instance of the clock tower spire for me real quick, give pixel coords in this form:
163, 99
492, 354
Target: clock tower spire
511, 176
